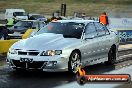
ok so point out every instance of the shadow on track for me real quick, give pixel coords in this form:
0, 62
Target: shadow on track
39, 79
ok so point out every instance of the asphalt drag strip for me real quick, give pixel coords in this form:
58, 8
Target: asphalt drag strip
37, 79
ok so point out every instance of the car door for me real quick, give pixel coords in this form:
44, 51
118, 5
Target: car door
103, 39
90, 44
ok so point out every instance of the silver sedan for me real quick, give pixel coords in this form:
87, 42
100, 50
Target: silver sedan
63, 45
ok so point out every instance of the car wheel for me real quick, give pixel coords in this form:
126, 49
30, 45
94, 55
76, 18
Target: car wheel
74, 62
112, 55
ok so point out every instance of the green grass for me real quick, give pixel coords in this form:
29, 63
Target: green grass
90, 7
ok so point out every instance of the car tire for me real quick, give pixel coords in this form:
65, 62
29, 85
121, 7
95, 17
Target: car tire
112, 55
74, 62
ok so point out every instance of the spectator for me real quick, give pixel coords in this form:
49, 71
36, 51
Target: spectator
83, 15
103, 18
3, 32
10, 22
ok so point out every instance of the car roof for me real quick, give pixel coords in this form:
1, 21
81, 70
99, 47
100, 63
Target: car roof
29, 20
77, 21
31, 14
15, 10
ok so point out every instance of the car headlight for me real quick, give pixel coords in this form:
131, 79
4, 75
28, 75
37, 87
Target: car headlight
51, 52
12, 51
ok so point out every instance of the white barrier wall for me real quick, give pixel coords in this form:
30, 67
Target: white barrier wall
122, 23
124, 28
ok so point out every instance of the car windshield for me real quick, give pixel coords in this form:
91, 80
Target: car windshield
68, 30
24, 24
19, 13
38, 16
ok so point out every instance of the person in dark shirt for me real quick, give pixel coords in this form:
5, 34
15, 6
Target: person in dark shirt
4, 32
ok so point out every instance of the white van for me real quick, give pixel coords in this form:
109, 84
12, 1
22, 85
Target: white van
18, 14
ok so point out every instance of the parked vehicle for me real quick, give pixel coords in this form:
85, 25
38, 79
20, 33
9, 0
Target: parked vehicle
17, 14
38, 17
63, 45
6, 44
3, 32
22, 26
21, 31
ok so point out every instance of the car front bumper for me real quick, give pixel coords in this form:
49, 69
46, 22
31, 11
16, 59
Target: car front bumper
45, 63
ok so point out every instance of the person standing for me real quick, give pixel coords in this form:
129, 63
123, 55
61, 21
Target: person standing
3, 32
10, 22
103, 18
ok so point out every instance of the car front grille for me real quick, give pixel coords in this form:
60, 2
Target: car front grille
28, 53
22, 53
17, 63
33, 53
33, 65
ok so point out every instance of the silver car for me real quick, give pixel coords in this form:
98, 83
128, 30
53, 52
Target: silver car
63, 45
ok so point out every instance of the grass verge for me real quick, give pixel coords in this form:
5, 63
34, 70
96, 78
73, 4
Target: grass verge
90, 7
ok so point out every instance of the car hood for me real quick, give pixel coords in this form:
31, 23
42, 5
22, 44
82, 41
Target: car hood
18, 29
47, 41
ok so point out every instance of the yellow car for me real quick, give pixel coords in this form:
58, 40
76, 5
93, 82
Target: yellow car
5, 44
